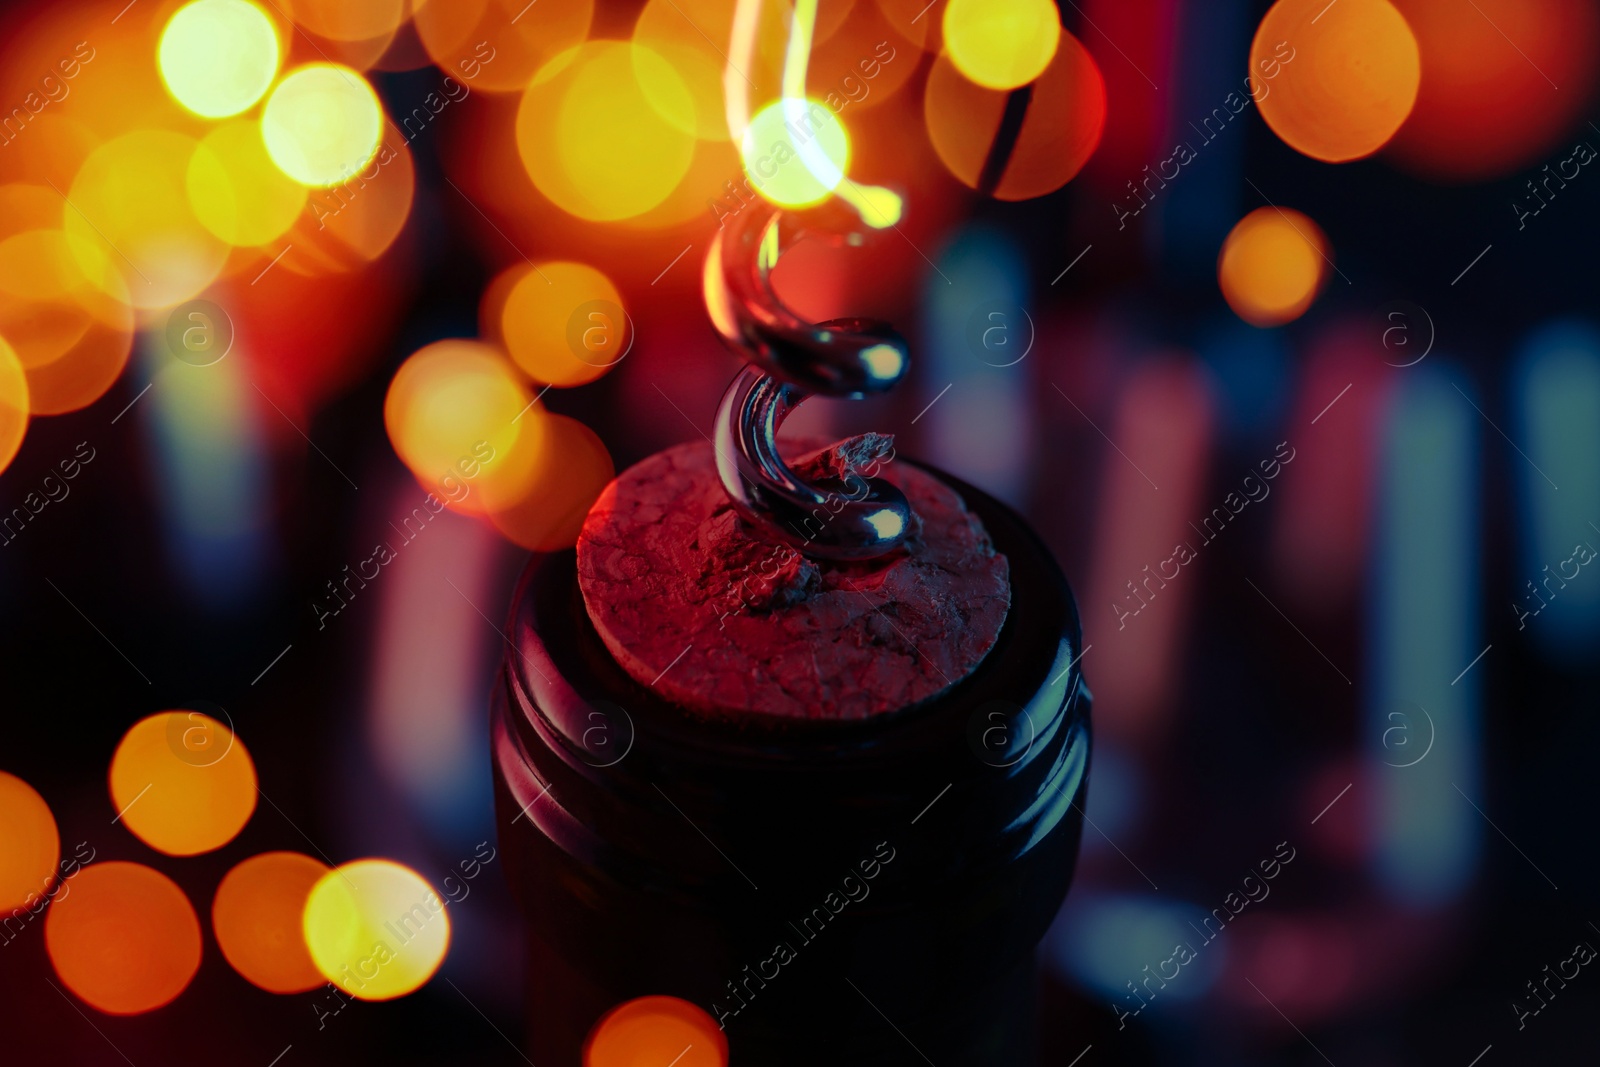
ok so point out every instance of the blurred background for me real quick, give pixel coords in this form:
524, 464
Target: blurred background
1277, 325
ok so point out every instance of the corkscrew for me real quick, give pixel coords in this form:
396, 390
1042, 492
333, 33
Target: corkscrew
790, 360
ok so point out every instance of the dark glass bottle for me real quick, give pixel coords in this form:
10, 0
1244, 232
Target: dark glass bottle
842, 893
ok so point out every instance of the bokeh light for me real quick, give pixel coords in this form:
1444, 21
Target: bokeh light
129, 222
923, 24
258, 915
123, 937
694, 41
235, 189
110, 84
71, 338
1487, 107
1347, 81
870, 59
458, 413
796, 152
714, 166
570, 471
348, 225
652, 1029
830, 17
182, 782
13, 404
1060, 131
499, 45
1001, 44
38, 314
60, 144
663, 29
562, 323
376, 929
84, 372
593, 135
1272, 265
29, 845
350, 20
28, 206
218, 57
322, 124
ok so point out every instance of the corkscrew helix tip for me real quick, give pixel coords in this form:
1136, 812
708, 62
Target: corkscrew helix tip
792, 359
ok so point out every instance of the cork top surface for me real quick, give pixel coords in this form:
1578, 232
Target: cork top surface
692, 603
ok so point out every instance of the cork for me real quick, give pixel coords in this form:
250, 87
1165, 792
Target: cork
694, 602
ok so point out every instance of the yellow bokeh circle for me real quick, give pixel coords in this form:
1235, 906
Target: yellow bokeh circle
594, 131
1001, 44
697, 49
376, 929
796, 152
130, 226
218, 57
322, 124
182, 782
463, 420
236, 191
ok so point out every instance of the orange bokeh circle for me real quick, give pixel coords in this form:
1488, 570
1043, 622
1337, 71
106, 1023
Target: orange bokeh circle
462, 418
1272, 266
257, 916
124, 939
563, 323
571, 471
869, 62
1487, 107
1350, 82
656, 1028
498, 45
350, 20
182, 782
1065, 117
14, 404
29, 845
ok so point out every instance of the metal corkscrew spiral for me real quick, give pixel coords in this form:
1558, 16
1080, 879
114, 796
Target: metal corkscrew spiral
792, 359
